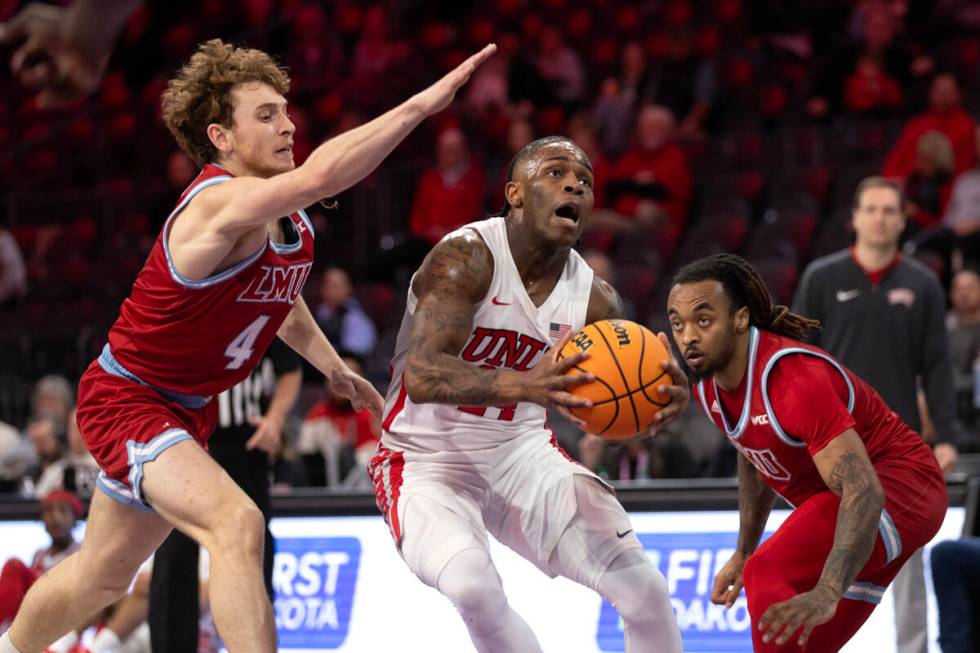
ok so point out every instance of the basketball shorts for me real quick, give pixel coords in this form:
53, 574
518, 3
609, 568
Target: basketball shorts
126, 424
792, 559
522, 492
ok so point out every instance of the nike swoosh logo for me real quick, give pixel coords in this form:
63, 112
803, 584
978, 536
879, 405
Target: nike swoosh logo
847, 295
496, 302
624, 533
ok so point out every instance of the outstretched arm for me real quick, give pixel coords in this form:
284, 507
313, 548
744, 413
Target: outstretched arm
847, 470
246, 202
453, 279
301, 332
755, 501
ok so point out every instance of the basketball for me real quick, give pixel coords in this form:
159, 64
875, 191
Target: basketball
625, 358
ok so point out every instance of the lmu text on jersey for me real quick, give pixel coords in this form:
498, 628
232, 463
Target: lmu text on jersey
276, 283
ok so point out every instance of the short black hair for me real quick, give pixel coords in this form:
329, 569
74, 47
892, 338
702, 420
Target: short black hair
525, 153
744, 287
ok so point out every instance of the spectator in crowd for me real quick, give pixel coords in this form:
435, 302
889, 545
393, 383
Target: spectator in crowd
962, 217
650, 186
945, 115
956, 580
337, 442
883, 317
449, 194
868, 76
684, 83
46, 436
13, 270
53, 397
560, 69
374, 57
59, 512
341, 317
928, 187
11, 468
964, 352
76, 470
619, 98
315, 57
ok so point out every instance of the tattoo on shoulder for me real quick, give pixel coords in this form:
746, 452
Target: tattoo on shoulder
604, 302
457, 266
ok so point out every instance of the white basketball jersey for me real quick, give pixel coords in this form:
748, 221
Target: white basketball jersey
509, 331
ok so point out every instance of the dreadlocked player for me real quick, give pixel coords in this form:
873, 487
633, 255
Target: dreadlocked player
866, 491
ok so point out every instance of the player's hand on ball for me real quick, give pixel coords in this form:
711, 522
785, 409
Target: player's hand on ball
546, 383
359, 390
679, 392
728, 582
807, 611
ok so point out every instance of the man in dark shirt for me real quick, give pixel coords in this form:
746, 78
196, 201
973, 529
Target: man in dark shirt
883, 317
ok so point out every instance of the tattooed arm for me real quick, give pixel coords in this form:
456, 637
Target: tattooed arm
847, 470
755, 500
453, 280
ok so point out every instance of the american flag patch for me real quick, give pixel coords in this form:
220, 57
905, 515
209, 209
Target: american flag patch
558, 331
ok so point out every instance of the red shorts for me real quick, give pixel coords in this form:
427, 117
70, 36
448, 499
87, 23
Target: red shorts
125, 424
792, 559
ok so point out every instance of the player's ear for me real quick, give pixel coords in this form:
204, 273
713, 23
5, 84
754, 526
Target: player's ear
219, 137
514, 194
742, 320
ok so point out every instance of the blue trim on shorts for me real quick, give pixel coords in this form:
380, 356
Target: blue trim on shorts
889, 536
120, 492
109, 363
142, 453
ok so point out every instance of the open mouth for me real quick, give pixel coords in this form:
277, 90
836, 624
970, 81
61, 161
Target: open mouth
568, 211
694, 358
285, 149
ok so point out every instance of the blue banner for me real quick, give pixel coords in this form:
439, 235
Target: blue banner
314, 580
689, 562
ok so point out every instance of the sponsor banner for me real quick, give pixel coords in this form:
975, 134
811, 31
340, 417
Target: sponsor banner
341, 586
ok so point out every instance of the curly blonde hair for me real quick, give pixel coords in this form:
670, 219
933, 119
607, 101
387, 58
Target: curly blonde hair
200, 94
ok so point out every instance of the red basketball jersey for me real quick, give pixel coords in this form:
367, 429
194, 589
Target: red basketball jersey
785, 458
200, 337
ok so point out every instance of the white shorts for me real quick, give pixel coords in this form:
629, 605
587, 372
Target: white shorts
522, 492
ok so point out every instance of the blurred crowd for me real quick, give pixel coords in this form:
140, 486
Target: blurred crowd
713, 125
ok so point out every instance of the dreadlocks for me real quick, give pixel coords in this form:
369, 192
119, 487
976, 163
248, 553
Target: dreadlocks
527, 151
744, 287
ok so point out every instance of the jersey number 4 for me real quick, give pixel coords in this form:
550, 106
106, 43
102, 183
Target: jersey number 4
242, 346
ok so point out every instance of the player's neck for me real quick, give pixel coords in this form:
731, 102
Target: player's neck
537, 263
238, 168
873, 258
730, 377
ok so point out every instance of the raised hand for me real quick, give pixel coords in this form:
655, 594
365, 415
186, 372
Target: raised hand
63, 51
438, 96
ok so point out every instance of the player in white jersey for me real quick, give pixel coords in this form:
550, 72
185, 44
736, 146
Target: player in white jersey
465, 449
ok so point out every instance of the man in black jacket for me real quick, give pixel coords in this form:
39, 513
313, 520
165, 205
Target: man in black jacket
883, 317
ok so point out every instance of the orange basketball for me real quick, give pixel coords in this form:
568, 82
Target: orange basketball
625, 358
